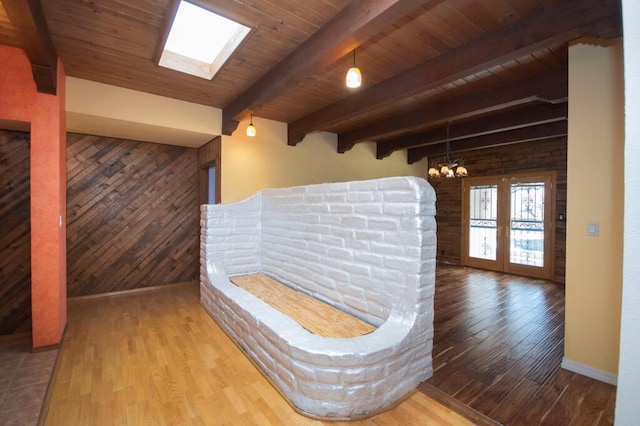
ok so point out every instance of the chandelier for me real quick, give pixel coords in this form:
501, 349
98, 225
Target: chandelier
448, 168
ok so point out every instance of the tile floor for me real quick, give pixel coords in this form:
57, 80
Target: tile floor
24, 377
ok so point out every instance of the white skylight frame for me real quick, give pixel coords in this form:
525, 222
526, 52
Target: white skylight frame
200, 41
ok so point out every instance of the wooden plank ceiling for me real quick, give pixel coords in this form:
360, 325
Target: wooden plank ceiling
424, 63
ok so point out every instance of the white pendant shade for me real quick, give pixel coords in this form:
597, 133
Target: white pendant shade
354, 78
251, 129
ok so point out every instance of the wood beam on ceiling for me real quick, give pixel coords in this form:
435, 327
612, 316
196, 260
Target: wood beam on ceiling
547, 85
551, 26
522, 117
28, 19
356, 23
526, 134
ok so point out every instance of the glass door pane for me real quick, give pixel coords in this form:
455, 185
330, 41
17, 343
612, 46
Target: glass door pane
526, 245
483, 226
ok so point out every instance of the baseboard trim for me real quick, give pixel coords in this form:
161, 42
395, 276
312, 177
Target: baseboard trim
50, 347
37, 349
594, 373
44, 408
131, 291
474, 416
11, 339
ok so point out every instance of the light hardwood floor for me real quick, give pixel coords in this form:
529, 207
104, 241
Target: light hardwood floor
316, 316
157, 358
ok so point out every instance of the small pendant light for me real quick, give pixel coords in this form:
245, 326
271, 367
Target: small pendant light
251, 129
354, 77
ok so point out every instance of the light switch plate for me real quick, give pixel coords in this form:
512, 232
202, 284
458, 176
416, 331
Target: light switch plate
593, 229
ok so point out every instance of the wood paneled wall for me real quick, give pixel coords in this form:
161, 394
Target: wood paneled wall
15, 233
546, 155
132, 214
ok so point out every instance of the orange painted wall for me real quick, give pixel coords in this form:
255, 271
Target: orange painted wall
20, 102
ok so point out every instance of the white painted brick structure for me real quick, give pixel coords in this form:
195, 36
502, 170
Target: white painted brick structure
366, 247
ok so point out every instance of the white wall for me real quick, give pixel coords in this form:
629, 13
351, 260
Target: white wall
248, 164
104, 110
627, 406
266, 161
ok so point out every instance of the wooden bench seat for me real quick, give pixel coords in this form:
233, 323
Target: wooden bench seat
316, 316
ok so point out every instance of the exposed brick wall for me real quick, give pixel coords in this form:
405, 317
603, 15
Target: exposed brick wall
351, 244
548, 155
231, 233
367, 247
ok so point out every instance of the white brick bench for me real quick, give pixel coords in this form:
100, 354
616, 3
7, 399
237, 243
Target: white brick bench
366, 247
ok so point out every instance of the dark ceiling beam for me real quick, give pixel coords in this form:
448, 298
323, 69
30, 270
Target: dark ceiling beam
356, 23
28, 19
548, 85
510, 137
551, 26
522, 117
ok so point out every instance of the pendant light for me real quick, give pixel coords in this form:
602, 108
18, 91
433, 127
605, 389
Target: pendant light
354, 77
251, 129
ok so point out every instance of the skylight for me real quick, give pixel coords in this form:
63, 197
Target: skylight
200, 41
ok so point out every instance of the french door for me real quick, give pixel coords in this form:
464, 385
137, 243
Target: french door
507, 223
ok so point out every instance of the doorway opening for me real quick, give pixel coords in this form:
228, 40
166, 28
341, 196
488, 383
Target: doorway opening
15, 233
211, 185
209, 168
507, 223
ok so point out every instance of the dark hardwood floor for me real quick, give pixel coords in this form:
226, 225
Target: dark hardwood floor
498, 344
